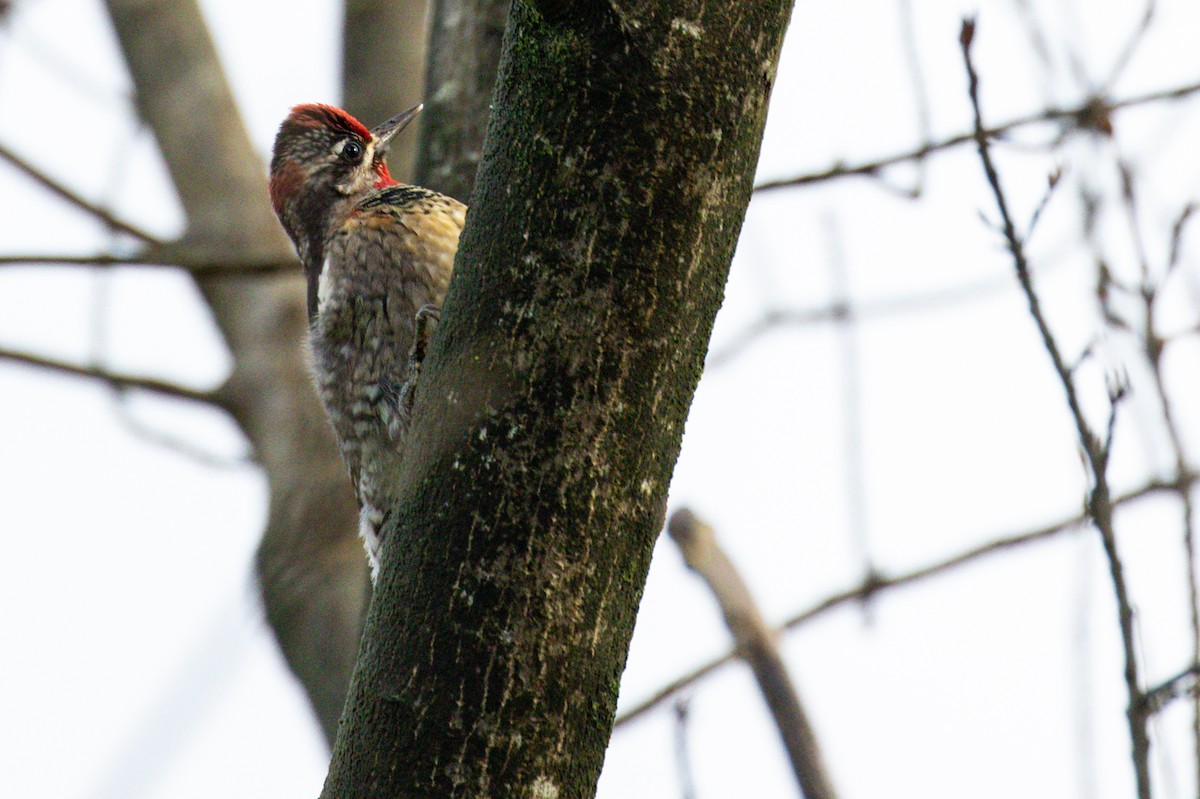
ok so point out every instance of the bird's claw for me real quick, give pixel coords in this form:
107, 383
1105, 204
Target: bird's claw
426, 318
422, 333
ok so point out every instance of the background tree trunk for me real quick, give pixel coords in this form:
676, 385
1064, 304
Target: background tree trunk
551, 410
383, 69
312, 571
464, 51
311, 566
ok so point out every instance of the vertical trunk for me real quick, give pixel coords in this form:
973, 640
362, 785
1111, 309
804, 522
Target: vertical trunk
464, 51
383, 69
616, 173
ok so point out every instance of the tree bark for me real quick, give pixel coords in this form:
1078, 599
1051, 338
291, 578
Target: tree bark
464, 52
311, 566
616, 173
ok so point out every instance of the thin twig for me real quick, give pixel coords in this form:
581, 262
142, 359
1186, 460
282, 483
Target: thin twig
683, 760
1099, 503
1081, 115
770, 321
920, 89
875, 583
1188, 514
838, 312
1135, 40
1153, 347
167, 257
1177, 230
176, 444
74, 198
1037, 36
1185, 682
115, 379
851, 400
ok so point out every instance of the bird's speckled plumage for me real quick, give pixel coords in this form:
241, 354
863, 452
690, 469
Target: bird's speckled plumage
375, 252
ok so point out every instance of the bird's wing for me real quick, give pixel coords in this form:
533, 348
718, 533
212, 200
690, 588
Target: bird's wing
394, 254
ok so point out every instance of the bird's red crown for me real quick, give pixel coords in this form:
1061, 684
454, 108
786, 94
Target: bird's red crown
319, 115
311, 118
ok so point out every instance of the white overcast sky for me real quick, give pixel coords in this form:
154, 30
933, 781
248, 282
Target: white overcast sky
136, 664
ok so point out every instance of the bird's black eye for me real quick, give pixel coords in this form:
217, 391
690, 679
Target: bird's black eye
352, 151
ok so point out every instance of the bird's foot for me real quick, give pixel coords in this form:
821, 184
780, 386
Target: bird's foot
425, 323
426, 319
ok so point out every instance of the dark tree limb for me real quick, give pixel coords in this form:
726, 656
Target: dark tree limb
310, 563
756, 644
551, 408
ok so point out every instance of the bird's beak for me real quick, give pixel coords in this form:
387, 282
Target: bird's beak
384, 133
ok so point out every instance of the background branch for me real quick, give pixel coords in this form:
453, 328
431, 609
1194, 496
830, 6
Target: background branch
755, 643
74, 198
116, 380
1088, 114
464, 52
384, 50
310, 564
199, 264
874, 584
1095, 449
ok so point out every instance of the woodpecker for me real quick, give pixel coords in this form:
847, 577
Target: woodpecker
377, 254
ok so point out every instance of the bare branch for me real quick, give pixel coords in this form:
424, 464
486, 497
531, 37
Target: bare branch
1177, 230
197, 264
464, 51
683, 761
770, 321
123, 383
176, 444
74, 198
920, 90
1100, 506
1135, 40
117, 380
1082, 115
756, 643
838, 312
874, 583
1183, 683
1153, 346
384, 45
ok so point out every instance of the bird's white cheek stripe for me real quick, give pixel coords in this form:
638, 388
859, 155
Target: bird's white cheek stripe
324, 285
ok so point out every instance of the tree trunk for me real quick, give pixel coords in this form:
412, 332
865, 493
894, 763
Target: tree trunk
383, 69
464, 51
616, 172
311, 566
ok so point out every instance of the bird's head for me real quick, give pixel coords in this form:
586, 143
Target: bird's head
323, 157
